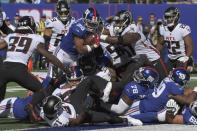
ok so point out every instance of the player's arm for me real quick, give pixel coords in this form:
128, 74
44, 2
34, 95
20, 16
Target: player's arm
126, 39
3, 44
189, 45
80, 119
47, 34
160, 44
187, 98
81, 47
178, 119
5, 29
51, 57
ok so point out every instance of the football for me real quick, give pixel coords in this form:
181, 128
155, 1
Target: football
89, 39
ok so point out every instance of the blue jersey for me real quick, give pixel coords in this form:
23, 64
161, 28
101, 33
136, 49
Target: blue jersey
19, 105
188, 118
134, 91
157, 100
67, 43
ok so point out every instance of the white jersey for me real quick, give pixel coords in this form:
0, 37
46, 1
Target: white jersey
58, 30
175, 40
142, 46
21, 46
67, 111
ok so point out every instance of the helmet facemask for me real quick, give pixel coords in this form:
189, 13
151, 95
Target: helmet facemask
51, 108
91, 20
145, 79
171, 17
193, 108
91, 25
121, 21
75, 77
63, 11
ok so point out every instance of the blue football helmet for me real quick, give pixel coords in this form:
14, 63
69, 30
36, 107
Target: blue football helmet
91, 19
193, 108
146, 77
180, 76
75, 75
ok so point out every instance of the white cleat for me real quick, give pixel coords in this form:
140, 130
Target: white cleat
133, 121
106, 92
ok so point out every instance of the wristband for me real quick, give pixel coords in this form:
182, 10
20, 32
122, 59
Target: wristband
103, 37
195, 89
89, 48
95, 45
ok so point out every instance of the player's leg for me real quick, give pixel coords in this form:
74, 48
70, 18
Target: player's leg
169, 65
161, 69
5, 71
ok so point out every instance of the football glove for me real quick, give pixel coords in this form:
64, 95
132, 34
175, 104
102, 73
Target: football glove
172, 107
183, 59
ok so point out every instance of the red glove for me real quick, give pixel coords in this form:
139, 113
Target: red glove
97, 40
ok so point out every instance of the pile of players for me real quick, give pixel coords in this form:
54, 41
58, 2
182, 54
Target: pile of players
115, 77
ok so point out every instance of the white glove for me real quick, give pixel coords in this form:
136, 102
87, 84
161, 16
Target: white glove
132, 121
183, 59
172, 107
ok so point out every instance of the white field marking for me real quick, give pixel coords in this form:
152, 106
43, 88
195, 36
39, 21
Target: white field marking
15, 89
193, 78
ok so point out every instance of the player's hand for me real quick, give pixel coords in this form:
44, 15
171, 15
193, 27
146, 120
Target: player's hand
172, 107
97, 40
183, 59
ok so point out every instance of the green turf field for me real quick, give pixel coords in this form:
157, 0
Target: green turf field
14, 90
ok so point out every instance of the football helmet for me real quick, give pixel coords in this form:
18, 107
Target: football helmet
146, 77
63, 10
51, 106
193, 108
91, 19
75, 75
26, 23
180, 76
171, 16
122, 20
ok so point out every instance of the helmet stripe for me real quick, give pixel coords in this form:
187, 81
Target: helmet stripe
94, 14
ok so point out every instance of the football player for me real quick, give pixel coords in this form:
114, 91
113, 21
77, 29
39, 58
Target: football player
72, 43
123, 41
144, 79
152, 107
177, 37
56, 28
21, 45
14, 106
